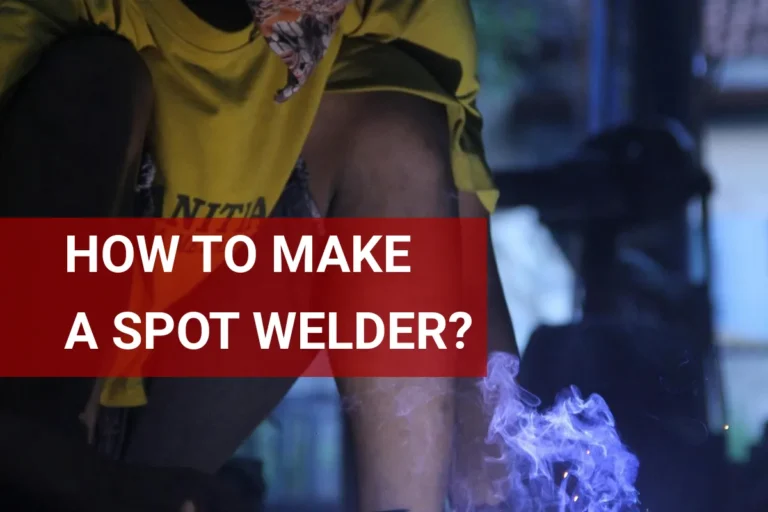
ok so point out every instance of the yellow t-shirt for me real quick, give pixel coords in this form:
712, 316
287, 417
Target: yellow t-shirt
221, 144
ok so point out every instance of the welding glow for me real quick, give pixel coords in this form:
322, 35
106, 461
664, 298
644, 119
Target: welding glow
577, 433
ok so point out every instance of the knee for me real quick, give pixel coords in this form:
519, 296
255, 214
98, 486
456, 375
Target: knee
87, 99
102, 72
408, 122
400, 141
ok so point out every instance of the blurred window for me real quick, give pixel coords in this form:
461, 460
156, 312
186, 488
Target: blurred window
735, 150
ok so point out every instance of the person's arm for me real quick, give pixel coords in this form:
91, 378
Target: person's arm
476, 480
387, 155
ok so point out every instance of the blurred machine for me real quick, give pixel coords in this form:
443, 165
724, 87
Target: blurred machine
643, 336
643, 339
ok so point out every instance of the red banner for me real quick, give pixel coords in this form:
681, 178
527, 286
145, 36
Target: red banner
247, 298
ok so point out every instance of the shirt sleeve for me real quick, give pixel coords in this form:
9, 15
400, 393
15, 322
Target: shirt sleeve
27, 27
426, 48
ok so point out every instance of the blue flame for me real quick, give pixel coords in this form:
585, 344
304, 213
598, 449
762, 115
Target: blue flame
568, 458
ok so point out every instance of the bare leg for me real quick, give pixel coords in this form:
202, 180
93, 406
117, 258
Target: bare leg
387, 156
70, 145
393, 158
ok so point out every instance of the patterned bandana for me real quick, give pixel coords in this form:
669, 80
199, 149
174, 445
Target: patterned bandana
299, 32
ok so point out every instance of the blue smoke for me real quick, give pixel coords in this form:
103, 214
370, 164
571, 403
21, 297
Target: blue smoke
566, 459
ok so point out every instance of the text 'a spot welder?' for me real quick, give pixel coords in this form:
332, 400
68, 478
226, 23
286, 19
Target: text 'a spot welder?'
239, 254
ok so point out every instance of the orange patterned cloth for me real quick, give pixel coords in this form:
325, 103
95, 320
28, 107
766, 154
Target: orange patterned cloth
299, 32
